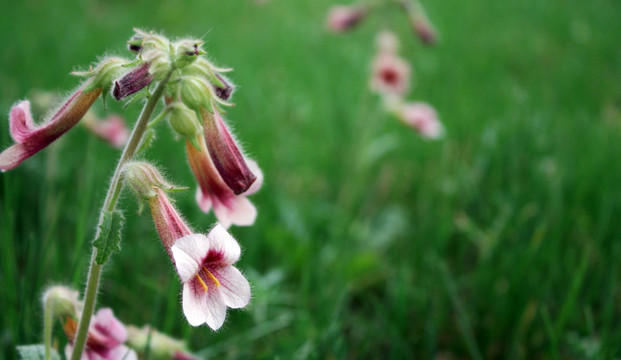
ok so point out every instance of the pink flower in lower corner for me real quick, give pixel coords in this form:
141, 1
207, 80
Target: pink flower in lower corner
106, 338
30, 138
112, 129
214, 193
390, 75
423, 118
210, 281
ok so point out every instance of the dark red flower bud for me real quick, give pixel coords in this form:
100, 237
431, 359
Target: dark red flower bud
132, 82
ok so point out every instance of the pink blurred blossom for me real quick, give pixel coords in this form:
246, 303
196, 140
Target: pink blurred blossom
112, 129
390, 75
342, 18
423, 118
106, 338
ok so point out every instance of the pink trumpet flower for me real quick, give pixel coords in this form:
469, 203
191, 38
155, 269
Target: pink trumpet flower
225, 153
112, 129
210, 281
106, 336
30, 139
204, 263
342, 18
170, 226
423, 118
214, 192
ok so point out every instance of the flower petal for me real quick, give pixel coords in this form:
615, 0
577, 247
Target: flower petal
14, 155
215, 309
120, 353
203, 200
222, 242
234, 287
236, 210
20, 122
256, 185
106, 330
188, 253
192, 306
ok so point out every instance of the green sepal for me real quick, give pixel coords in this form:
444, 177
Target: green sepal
36, 352
109, 236
146, 141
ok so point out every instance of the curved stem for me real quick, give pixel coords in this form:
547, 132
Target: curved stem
94, 271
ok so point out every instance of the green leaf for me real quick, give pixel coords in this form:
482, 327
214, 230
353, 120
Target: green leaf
109, 236
35, 352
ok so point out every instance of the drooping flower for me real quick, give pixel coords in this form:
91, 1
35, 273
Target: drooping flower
204, 263
423, 118
147, 183
112, 129
225, 153
390, 75
214, 193
106, 338
342, 18
30, 138
210, 281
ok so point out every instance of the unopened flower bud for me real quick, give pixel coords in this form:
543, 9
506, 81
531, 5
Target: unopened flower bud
224, 88
425, 31
135, 43
104, 73
184, 121
420, 22
225, 153
133, 81
143, 178
62, 301
186, 52
195, 93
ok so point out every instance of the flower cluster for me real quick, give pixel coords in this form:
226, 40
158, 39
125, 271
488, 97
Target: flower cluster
390, 78
106, 334
108, 338
391, 74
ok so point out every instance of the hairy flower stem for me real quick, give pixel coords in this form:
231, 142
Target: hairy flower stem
112, 197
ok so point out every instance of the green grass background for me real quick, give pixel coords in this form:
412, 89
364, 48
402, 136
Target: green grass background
503, 240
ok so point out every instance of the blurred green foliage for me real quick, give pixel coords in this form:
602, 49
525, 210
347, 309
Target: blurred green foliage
500, 241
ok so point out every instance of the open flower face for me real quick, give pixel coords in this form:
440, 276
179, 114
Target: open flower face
210, 281
390, 75
213, 192
30, 139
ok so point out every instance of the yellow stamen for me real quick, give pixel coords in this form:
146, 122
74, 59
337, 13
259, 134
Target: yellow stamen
211, 276
202, 282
